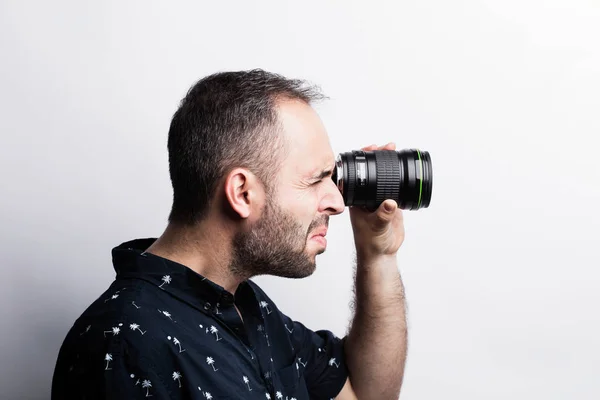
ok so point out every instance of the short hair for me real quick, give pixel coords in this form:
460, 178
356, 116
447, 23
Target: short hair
227, 120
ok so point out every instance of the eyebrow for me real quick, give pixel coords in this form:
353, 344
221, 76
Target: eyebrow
324, 174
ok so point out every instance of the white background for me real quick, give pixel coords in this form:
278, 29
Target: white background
501, 272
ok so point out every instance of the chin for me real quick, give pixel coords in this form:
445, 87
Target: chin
300, 274
312, 271
312, 253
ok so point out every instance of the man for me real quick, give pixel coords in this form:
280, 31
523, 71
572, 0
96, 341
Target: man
251, 167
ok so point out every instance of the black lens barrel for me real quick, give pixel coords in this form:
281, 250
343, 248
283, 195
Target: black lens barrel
368, 178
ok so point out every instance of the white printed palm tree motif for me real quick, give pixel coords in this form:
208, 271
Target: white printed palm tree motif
247, 382
166, 279
177, 377
87, 329
211, 362
265, 305
217, 308
147, 385
268, 396
135, 305
279, 395
135, 326
115, 331
300, 361
208, 395
267, 337
332, 362
288, 329
260, 328
215, 332
114, 296
108, 358
177, 343
166, 314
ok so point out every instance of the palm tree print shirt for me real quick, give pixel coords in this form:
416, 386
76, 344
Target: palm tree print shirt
161, 330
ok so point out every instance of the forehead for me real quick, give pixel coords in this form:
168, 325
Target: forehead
307, 140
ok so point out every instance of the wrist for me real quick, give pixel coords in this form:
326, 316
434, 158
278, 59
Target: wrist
368, 257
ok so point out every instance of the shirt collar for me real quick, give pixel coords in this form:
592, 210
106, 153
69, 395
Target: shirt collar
131, 261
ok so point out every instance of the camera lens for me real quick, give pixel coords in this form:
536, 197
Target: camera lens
368, 178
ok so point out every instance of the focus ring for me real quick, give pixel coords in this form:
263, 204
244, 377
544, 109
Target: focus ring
388, 175
351, 180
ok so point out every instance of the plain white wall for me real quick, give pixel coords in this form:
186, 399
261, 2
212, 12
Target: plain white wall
501, 272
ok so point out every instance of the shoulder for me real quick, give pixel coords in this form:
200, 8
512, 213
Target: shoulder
125, 315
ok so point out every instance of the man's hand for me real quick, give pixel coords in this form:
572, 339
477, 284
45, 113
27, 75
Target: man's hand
381, 232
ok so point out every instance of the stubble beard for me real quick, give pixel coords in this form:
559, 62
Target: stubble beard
275, 245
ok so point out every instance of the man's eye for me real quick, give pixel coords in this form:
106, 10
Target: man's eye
317, 182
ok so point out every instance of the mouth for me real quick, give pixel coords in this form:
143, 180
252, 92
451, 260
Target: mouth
319, 239
319, 236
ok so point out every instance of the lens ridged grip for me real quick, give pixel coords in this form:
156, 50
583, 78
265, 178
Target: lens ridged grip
388, 176
351, 180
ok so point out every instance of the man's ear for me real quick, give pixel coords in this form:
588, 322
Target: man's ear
243, 192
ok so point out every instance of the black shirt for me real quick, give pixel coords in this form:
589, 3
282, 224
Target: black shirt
161, 330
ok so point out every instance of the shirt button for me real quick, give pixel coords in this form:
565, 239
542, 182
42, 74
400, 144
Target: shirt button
207, 306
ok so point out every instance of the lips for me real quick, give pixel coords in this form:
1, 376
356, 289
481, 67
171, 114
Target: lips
319, 232
320, 239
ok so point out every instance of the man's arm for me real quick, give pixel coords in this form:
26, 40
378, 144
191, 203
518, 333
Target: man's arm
376, 344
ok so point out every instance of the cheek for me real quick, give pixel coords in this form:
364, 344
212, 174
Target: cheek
311, 210
303, 205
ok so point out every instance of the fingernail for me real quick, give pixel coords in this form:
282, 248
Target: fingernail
388, 207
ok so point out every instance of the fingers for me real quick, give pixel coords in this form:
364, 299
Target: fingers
385, 214
389, 146
369, 148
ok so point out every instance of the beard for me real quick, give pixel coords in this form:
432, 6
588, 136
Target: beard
275, 245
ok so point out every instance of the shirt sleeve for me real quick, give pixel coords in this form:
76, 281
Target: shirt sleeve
322, 356
135, 375
114, 368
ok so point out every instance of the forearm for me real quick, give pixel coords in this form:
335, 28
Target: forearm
376, 344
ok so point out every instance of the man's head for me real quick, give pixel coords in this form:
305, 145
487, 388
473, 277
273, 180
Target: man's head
249, 146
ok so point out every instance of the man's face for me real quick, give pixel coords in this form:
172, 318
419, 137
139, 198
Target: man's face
289, 234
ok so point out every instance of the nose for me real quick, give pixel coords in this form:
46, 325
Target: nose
332, 201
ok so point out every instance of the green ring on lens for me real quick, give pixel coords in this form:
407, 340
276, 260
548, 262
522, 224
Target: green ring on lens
421, 180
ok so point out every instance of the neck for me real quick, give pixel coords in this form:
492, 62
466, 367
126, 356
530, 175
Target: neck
204, 248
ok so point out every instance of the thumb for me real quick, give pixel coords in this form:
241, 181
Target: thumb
385, 214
